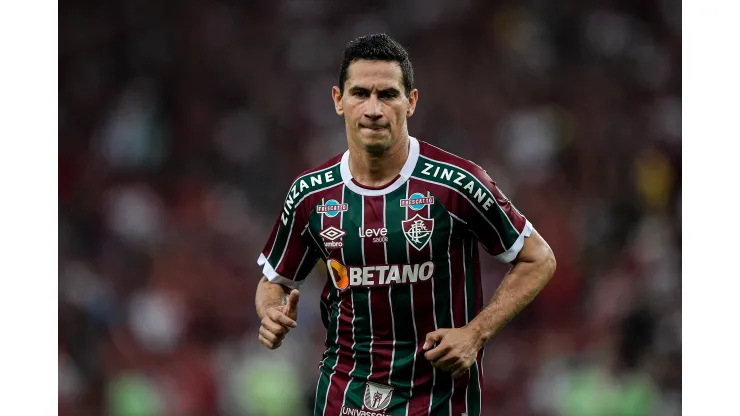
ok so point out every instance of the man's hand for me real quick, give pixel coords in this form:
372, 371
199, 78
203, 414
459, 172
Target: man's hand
457, 349
278, 320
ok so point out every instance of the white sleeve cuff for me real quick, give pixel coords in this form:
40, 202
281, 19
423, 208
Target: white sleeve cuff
273, 276
509, 255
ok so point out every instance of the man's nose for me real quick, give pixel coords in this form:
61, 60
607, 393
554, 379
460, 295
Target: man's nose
372, 108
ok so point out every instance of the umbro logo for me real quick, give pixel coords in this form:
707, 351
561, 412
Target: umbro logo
330, 235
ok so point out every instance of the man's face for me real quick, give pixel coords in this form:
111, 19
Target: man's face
374, 105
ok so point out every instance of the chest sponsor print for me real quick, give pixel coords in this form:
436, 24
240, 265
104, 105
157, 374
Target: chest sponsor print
344, 277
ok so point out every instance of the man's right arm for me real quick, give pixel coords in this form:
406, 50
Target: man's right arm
277, 307
270, 295
286, 260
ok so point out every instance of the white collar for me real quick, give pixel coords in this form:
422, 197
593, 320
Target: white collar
406, 171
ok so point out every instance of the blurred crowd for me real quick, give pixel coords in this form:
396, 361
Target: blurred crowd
182, 123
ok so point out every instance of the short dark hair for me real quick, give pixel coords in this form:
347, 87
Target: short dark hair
377, 47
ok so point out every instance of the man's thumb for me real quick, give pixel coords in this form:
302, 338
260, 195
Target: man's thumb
292, 308
434, 337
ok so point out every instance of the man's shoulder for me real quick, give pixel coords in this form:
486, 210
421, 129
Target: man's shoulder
467, 179
314, 181
329, 164
431, 154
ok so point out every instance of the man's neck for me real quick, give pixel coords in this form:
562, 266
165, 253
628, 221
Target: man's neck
377, 170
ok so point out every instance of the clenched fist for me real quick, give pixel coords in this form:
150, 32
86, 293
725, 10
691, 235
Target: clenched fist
456, 351
278, 320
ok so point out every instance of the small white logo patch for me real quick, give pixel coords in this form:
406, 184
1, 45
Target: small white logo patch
377, 396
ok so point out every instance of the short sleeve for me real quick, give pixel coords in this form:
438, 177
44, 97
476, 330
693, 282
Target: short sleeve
287, 257
493, 218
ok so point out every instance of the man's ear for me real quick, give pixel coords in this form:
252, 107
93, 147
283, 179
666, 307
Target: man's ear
413, 99
336, 95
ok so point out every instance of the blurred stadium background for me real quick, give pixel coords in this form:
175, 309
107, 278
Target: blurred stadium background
182, 123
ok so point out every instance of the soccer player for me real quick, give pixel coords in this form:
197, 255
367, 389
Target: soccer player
398, 222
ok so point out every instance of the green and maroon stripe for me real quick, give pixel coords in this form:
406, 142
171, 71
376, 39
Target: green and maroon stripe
378, 296
457, 291
329, 361
449, 294
441, 241
354, 255
405, 336
337, 358
473, 302
423, 302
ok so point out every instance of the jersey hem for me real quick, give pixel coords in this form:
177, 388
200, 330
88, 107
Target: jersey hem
273, 275
509, 255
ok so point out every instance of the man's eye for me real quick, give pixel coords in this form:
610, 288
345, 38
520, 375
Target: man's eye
360, 94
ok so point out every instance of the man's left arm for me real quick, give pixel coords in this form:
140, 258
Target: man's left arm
533, 268
506, 234
458, 347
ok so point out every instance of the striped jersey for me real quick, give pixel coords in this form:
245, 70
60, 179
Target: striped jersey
401, 261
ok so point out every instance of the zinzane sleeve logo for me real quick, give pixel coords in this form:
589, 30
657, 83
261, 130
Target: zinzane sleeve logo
286, 255
489, 215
